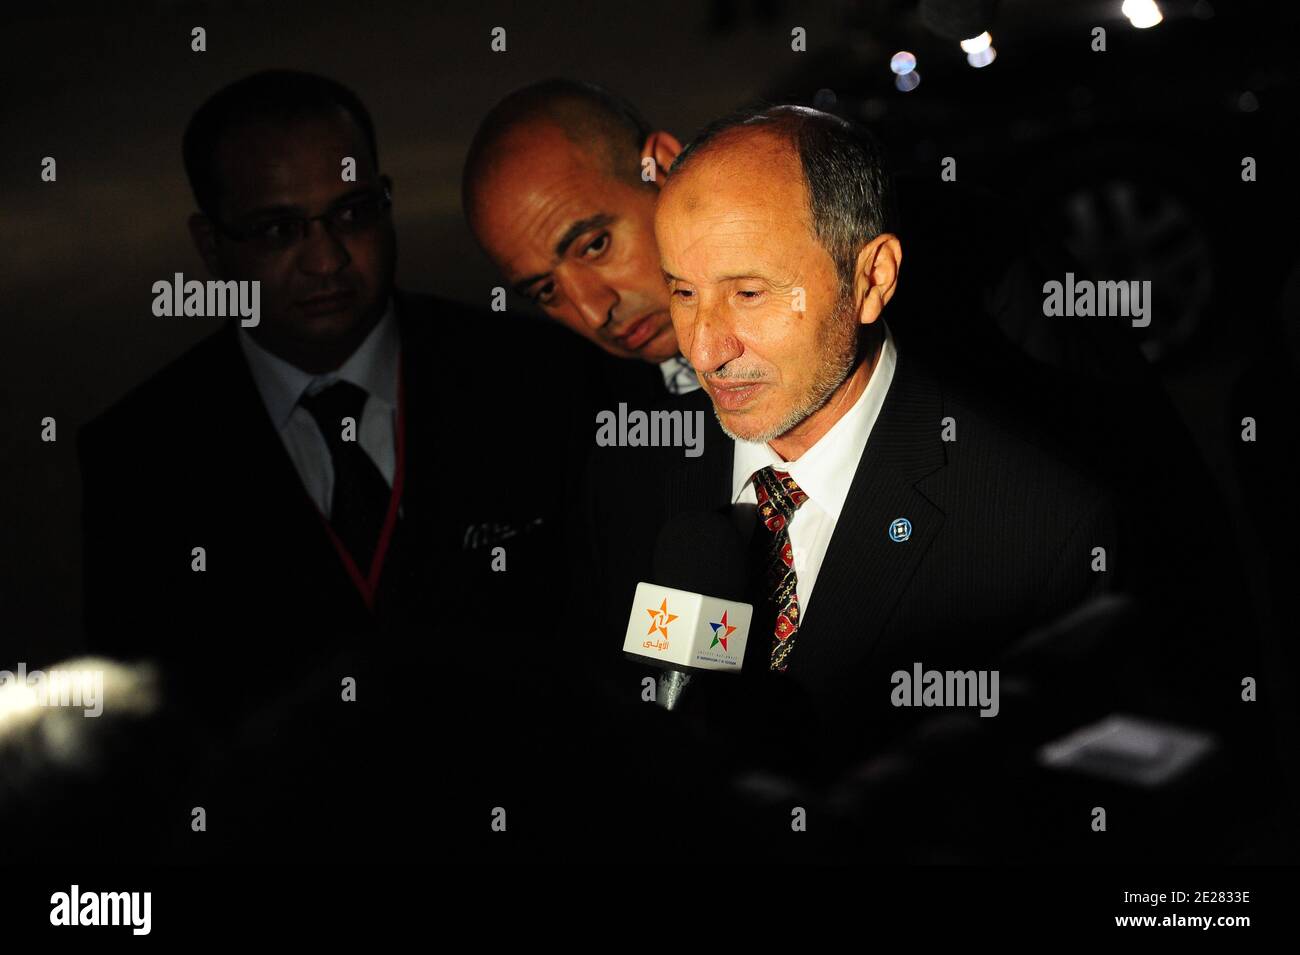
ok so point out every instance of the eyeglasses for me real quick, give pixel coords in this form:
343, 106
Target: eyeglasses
282, 232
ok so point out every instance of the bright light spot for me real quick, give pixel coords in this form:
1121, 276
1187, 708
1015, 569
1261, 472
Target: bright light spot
982, 58
907, 81
977, 44
1142, 13
16, 698
902, 63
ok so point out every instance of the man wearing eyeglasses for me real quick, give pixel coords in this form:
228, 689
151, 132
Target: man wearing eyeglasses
263, 473
263, 156
272, 496
271, 517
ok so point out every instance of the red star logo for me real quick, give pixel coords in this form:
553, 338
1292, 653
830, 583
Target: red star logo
721, 637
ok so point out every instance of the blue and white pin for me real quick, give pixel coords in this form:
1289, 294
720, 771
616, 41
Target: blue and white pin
900, 530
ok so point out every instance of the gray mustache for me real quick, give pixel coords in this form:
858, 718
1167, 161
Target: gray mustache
724, 375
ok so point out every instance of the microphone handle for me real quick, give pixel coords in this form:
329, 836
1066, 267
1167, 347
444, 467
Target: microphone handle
671, 684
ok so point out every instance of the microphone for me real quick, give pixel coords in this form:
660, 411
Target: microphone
693, 618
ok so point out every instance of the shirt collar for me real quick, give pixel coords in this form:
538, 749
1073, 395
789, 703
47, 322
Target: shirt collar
373, 366
679, 376
825, 471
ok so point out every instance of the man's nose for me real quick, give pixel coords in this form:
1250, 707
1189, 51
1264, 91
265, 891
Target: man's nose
710, 341
591, 296
320, 252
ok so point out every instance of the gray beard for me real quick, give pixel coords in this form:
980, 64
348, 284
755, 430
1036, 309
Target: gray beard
840, 352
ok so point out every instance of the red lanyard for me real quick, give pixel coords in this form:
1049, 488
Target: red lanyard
368, 585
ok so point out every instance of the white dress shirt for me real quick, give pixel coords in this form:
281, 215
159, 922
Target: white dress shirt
373, 366
679, 376
824, 472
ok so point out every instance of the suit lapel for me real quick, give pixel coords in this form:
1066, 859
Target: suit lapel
278, 485
418, 439
865, 571
703, 483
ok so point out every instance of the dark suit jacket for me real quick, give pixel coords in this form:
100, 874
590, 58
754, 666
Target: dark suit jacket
1002, 539
254, 648
524, 436
190, 458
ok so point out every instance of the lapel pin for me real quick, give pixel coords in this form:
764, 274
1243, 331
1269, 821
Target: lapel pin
900, 529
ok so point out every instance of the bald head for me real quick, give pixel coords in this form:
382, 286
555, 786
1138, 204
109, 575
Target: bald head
554, 193
595, 121
760, 158
849, 195
746, 188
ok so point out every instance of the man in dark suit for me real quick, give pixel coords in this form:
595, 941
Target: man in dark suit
935, 532
218, 502
284, 506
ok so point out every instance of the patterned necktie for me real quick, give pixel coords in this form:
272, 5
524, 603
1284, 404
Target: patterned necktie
361, 495
778, 498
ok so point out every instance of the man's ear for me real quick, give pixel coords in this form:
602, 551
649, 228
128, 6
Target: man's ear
204, 235
875, 276
663, 148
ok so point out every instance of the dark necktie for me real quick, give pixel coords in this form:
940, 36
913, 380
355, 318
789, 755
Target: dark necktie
360, 500
777, 612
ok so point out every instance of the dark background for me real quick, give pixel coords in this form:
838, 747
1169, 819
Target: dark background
1130, 160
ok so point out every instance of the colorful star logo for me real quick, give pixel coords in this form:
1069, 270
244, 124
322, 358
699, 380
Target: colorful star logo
726, 629
660, 619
